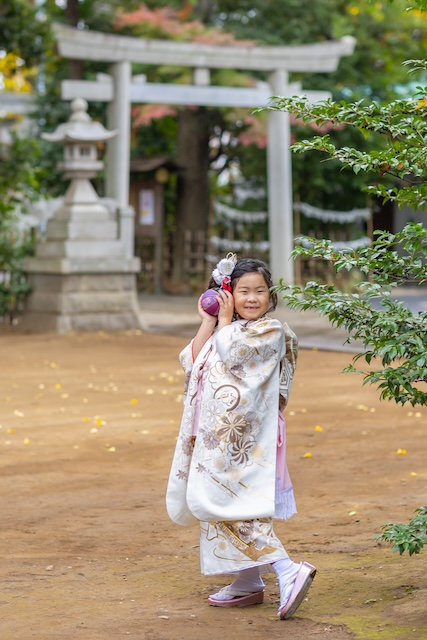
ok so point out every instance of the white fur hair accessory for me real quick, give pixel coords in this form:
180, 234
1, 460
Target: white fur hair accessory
222, 273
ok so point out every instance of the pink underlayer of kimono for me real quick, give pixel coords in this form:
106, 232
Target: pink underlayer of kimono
285, 506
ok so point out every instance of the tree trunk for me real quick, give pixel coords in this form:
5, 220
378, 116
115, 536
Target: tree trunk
204, 10
72, 13
193, 183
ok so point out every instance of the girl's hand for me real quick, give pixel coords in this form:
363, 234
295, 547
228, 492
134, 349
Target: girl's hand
226, 308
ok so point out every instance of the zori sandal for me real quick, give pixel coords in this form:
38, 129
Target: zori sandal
240, 598
302, 584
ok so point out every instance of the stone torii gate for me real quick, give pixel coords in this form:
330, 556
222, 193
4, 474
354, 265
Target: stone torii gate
120, 91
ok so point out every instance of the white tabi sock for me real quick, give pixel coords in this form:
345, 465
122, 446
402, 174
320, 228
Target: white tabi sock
286, 572
248, 581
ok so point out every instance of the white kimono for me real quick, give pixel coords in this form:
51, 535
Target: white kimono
232, 390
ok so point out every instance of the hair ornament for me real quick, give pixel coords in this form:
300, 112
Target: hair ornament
222, 273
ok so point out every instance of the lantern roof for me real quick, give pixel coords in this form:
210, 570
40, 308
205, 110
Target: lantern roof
80, 127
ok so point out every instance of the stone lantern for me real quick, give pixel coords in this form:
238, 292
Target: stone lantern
80, 136
83, 274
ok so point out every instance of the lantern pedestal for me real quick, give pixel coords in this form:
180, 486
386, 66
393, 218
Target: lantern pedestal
83, 275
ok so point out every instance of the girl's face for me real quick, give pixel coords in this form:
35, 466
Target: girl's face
251, 296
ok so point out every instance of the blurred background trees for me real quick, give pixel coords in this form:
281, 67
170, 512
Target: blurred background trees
215, 148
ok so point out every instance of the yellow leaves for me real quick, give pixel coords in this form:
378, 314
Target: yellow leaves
14, 74
26, 441
352, 513
422, 103
57, 386
401, 452
307, 455
318, 428
18, 414
134, 401
363, 407
97, 420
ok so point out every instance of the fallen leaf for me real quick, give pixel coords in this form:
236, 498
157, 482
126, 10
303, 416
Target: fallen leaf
307, 455
401, 452
318, 428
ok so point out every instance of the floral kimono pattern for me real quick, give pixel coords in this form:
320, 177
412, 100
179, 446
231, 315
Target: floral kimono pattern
231, 473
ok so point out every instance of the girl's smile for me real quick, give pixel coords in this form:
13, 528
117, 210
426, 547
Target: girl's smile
251, 296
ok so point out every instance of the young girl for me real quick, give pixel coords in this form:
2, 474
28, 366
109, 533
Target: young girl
229, 468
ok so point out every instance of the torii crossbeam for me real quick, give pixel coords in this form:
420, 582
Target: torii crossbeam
120, 92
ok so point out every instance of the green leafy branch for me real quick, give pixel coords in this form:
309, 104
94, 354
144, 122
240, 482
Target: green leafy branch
401, 125
409, 537
387, 329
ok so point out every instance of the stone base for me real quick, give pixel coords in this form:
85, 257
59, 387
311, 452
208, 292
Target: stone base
62, 303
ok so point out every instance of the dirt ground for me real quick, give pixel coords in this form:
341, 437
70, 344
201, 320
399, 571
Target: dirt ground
88, 427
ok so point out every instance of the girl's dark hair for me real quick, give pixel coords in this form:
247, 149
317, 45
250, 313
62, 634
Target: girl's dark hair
251, 265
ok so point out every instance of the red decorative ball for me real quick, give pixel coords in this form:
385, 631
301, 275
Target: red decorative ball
209, 302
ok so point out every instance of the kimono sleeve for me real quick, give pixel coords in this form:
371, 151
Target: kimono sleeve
186, 362
288, 365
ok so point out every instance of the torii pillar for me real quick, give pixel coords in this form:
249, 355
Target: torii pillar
277, 62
